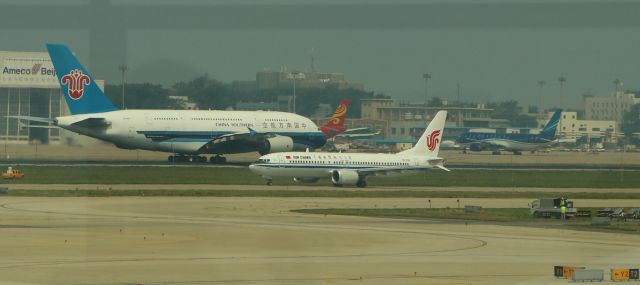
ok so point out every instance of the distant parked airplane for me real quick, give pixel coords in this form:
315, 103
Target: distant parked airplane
350, 169
512, 142
335, 125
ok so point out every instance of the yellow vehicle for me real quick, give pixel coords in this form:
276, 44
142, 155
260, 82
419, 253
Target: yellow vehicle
11, 173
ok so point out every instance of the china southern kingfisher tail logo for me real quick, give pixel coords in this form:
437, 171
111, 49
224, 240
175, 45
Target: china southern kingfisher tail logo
75, 81
433, 140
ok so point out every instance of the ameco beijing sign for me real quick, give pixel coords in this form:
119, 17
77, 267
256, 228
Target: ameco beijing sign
27, 71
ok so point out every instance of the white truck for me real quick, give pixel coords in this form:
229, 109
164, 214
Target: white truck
550, 207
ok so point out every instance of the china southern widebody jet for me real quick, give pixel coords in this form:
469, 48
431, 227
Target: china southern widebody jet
352, 169
190, 134
516, 143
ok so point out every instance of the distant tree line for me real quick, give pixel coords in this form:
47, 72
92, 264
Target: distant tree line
209, 93
509, 110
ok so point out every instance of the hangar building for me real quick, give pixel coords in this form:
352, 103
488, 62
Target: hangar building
28, 87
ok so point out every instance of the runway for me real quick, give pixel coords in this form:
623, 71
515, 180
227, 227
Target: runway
305, 187
99, 154
497, 167
258, 241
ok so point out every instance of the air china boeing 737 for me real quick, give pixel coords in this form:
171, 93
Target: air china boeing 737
349, 169
189, 133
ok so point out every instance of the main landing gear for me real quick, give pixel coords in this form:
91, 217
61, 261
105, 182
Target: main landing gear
218, 159
195, 159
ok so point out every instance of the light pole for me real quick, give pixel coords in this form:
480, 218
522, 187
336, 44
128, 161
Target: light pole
294, 76
561, 80
122, 68
617, 84
540, 108
458, 86
426, 77
618, 115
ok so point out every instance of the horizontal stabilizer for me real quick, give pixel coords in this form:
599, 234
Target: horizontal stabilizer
442, 167
30, 118
25, 126
93, 123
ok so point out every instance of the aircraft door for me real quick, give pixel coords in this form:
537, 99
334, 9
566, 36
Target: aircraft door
129, 126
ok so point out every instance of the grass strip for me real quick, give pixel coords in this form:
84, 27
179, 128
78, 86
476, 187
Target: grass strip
494, 215
338, 193
521, 216
234, 176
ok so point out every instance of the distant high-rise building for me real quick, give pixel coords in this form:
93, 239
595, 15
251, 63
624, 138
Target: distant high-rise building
611, 107
269, 79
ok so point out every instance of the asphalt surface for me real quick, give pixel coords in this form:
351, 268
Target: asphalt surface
214, 240
143, 240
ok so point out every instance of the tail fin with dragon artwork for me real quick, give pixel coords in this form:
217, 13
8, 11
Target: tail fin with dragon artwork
335, 125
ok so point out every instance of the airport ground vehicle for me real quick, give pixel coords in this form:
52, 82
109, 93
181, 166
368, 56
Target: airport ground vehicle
12, 173
551, 207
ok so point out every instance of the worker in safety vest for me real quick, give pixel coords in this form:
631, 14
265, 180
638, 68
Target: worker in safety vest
563, 209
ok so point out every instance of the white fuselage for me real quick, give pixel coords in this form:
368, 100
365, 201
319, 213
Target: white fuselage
186, 131
513, 145
320, 164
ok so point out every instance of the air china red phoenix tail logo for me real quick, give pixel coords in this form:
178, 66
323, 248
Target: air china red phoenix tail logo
75, 82
433, 140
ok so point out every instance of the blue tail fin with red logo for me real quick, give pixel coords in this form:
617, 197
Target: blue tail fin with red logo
429, 142
79, 89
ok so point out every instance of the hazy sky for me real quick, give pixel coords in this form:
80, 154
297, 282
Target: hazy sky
490, 63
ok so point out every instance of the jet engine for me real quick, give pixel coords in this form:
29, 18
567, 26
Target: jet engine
305, 180
277, 144
344, 177
475, 146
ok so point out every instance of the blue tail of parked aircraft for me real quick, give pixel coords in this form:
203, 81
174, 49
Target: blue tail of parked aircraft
549, 130
81, 92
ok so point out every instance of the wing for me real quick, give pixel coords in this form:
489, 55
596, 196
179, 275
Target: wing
235, 142
381, 171
495, 143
